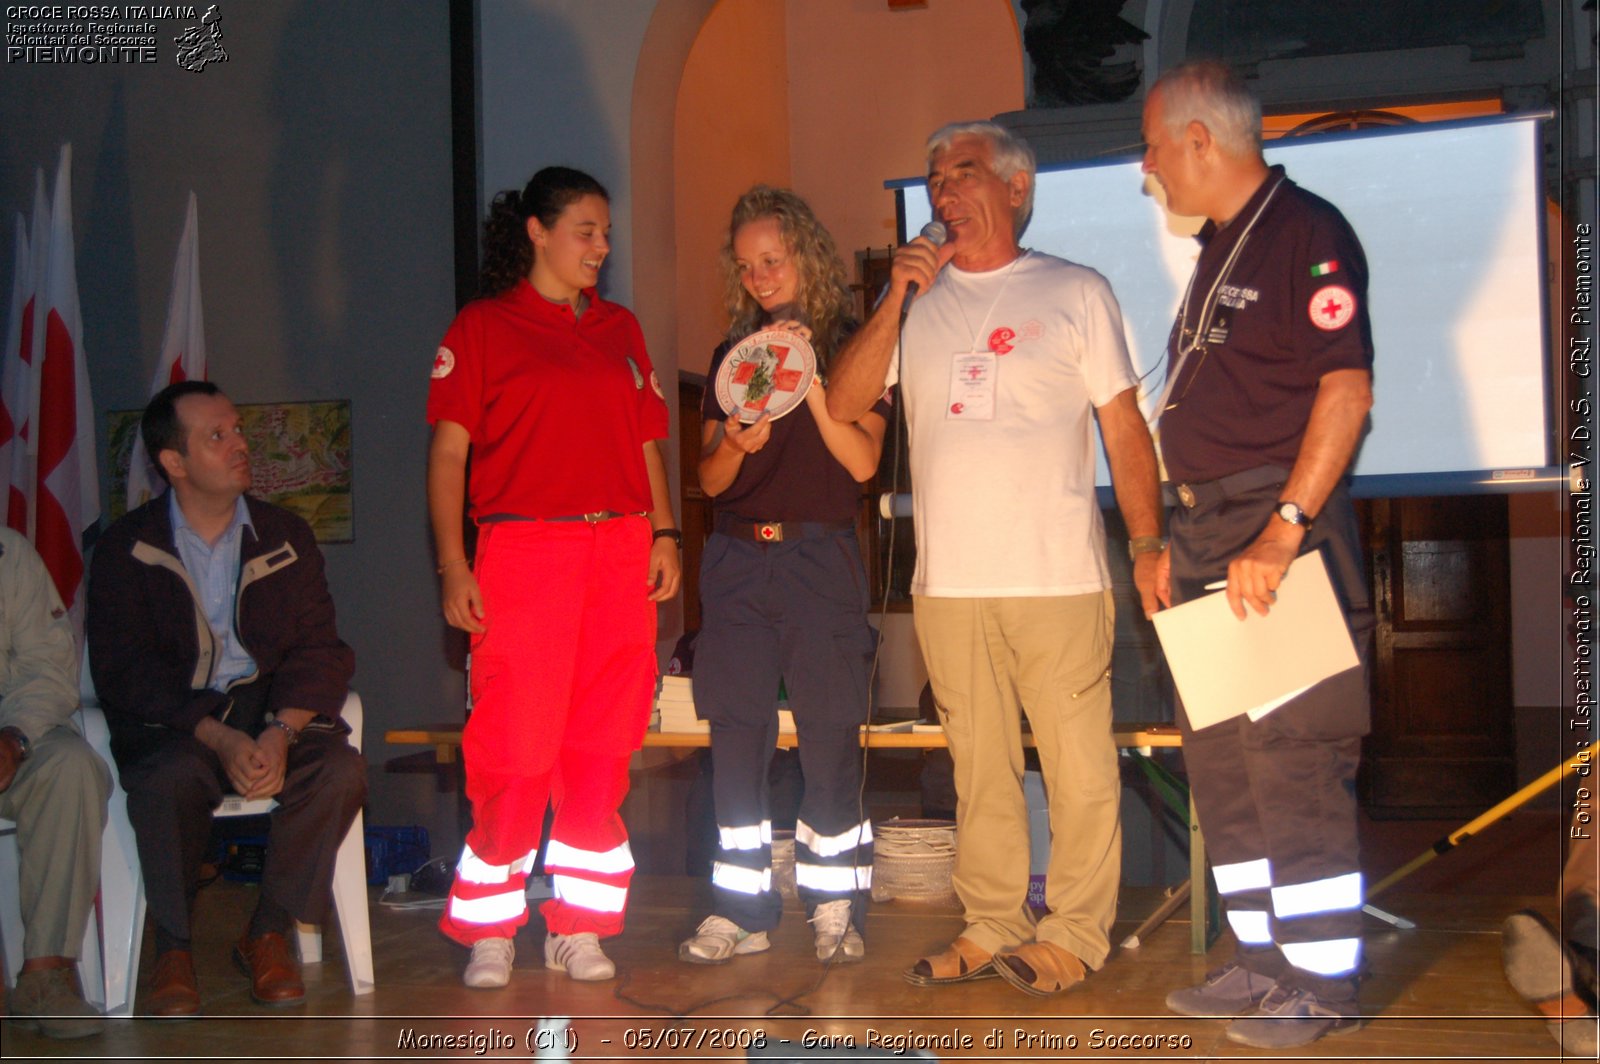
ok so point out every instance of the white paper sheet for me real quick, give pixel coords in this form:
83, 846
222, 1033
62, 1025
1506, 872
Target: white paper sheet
1224, 667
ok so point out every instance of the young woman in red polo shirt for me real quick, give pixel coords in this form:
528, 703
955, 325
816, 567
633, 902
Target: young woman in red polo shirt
784, 595
550, 389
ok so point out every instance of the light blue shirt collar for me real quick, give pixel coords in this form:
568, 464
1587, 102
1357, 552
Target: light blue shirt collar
180, 523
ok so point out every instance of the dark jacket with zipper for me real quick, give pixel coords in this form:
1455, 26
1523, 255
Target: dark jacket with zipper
153, 655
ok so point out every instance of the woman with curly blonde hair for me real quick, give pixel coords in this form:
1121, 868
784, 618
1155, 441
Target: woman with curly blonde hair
784, 596
821, 293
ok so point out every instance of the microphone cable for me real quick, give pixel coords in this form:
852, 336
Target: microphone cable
896, 430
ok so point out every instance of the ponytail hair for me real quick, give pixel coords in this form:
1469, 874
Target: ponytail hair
507, 251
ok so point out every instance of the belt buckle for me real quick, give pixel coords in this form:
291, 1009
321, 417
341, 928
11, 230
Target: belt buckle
770, 533
1186, 495
596, 517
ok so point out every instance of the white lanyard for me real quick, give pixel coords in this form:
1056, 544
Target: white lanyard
1005, 282
1189, 342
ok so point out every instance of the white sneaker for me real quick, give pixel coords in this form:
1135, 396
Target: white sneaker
717, 939
837, 938
579, 956
490, 966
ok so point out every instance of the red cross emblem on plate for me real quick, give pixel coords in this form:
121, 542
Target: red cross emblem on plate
783, 380
1332, 307
769, 533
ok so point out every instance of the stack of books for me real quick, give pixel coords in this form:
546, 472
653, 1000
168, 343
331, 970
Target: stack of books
674, 710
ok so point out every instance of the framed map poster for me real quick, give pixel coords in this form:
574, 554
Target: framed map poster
299, 459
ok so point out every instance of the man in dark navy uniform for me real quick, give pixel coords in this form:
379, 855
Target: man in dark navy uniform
1269, 385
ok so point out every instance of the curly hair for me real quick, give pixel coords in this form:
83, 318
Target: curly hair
821, 291
507, 251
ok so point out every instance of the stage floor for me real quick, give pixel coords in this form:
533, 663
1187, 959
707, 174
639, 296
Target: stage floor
1435, 992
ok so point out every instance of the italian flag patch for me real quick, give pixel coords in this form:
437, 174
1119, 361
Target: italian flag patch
1322, 269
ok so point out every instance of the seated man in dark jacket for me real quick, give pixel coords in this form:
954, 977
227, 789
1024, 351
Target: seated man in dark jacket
213, 649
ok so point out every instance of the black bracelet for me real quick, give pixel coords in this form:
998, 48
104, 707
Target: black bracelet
669, 533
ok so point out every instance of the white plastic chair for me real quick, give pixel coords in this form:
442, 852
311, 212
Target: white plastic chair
349, 877
103, 970
109, 961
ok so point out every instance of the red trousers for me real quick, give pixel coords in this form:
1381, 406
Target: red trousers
561, 688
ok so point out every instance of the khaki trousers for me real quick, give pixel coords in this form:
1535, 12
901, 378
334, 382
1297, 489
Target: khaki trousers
58, 800
990, 661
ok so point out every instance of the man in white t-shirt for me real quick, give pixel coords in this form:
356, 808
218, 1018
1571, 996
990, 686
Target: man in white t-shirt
1009, 357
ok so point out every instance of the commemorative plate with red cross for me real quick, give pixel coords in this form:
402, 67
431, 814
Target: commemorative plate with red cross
769, 371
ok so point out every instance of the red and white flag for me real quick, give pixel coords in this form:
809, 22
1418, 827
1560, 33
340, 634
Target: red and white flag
183, 349
12, 400
68, 499
20, 382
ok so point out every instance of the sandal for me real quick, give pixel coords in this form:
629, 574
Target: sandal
960, 961
1039, 968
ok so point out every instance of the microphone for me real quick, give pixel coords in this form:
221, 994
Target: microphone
937, 234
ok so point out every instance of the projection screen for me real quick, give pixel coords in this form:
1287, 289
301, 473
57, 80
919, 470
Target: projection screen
1450, 217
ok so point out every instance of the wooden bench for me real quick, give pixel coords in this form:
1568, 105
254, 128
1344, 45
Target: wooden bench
445, 738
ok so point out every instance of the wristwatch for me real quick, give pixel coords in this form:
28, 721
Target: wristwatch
24, 748
1291, 513
668, 533
293, 733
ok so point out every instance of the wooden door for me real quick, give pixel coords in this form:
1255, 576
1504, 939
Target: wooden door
1442, 729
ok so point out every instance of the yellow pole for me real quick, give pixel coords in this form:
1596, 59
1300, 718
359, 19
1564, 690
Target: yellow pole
1483, 820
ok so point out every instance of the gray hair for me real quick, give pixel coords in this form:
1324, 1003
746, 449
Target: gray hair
1009, 153
1211, 93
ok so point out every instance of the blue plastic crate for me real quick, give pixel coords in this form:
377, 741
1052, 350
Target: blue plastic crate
395, 851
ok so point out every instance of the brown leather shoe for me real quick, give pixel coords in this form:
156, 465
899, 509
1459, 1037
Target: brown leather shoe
173, 992
273, 971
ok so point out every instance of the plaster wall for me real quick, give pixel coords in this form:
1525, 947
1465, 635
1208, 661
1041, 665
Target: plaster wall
869, 84
732, 132
323, 178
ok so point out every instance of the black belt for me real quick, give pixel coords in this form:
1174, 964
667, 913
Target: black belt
778, 531
1210, 492
593, 519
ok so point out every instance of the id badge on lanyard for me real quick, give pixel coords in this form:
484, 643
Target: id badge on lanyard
972, 386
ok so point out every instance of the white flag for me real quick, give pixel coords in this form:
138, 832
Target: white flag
22, 371
183, 349
13, 412
68, 500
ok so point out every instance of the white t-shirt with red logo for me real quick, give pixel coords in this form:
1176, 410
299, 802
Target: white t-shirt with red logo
1003, 475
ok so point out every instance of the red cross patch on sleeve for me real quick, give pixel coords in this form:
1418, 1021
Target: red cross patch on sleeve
1332, 307
443, 363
